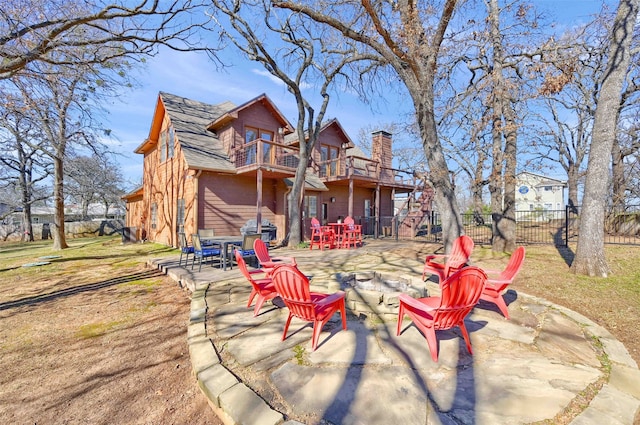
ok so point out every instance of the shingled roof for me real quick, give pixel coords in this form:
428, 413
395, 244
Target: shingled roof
201, 148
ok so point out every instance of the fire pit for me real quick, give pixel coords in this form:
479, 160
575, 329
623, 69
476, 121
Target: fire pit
374, 293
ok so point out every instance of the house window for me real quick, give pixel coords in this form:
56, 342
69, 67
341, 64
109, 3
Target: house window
154, 215
166, 143
329, 160
267, 148
250, 136
311, 206
170, 142
547, 188
163, 146
180, 215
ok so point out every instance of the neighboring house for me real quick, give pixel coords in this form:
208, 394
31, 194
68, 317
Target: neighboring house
219, 166
537, 192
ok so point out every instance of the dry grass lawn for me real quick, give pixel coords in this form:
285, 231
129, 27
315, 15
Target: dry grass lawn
94, 337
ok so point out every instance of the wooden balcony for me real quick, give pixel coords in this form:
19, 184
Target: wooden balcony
365, 170
265, 154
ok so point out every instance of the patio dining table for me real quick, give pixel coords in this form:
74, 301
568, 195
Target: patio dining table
225, 242
338, 231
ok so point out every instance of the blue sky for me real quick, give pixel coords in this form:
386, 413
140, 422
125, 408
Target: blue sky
194, 76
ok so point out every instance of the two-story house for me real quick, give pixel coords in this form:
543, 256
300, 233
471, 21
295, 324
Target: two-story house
538, 192
219, 166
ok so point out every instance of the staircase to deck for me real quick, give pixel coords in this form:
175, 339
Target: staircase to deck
415, 213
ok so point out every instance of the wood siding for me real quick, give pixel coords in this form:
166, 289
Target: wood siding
227, 202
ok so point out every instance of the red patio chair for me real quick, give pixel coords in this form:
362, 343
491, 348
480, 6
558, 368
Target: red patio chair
321, 236
352, 233
293, 288
460, 293
494, 287
444, 265
267, 262
262, 288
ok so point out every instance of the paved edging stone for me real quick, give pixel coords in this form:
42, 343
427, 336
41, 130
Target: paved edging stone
238, 402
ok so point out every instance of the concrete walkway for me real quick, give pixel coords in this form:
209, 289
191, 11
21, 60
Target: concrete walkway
547, 363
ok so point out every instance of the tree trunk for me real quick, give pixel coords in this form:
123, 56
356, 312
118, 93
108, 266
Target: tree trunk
445, 197
296, 195
495, 183
59, 241
617, 174
572, 183
590, 257
503, 180
25, 184
508, 223
27, 231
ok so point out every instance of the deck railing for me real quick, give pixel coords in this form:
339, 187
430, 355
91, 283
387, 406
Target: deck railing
354, 166
266, 152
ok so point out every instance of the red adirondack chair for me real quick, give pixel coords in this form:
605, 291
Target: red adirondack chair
444, 265
494, 286
293, 288
263, 288
267, 262
321, 236
460, 293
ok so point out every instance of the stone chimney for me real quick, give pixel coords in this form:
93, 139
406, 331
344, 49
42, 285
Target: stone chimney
381, 150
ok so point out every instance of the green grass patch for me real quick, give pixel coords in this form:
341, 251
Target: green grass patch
300, 353
147, 283
94, 330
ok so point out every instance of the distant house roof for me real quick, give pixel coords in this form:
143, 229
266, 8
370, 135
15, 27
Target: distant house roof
544, 180
137, 192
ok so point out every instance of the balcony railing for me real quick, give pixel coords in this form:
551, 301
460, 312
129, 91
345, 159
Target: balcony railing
364, 167
265, 152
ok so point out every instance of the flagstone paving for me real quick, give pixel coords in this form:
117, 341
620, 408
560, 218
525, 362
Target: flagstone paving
543, 361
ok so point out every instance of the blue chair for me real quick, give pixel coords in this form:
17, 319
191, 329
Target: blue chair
202, 253
185, 249
246, 249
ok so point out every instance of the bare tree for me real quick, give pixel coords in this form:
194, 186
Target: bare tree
297, 55
93, 178
408, 37
471, 149
64, 102
566, 141
627, 142
571, 69
33, 31
485, 85
624, 168
25, 167
590, 257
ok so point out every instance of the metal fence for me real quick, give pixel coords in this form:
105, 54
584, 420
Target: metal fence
558, 227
